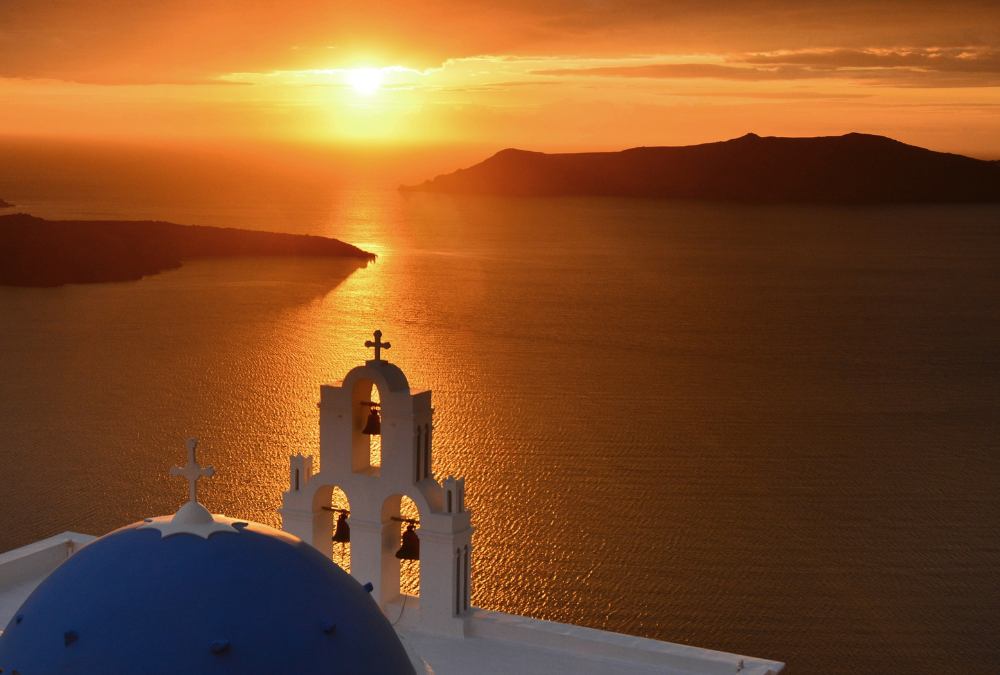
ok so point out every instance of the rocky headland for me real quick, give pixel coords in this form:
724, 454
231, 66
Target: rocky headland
855, 168
45, 253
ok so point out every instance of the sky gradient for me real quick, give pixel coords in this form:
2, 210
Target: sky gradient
545, 75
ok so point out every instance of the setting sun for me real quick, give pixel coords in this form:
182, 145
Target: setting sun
366, 80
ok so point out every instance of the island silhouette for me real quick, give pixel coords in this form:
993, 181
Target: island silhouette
45, 253
854, 168
5, 204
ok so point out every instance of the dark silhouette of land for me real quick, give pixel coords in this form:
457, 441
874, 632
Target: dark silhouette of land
5, 204
44, 253
855, 168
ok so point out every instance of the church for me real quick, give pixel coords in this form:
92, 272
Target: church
196, 592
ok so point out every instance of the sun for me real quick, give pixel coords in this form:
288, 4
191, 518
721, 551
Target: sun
366, 80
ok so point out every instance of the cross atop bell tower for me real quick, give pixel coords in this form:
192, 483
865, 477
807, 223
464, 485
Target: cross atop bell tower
378, 345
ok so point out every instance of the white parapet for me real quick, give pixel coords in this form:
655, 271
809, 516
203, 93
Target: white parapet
22, 569
499, 644
583, 641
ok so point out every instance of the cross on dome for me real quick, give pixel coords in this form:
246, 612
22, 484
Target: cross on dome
192, 471
192, 518
378, 345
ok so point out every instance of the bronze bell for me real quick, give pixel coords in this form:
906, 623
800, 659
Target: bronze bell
374, 426
343, 532
410, 550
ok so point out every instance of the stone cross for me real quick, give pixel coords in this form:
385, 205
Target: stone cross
192, 471
378, 345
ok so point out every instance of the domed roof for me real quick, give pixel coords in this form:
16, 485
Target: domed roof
245, 599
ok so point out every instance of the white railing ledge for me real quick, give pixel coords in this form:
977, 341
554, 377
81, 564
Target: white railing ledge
599, 643
39, 558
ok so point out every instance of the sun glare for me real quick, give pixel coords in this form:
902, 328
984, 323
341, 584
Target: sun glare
366, 80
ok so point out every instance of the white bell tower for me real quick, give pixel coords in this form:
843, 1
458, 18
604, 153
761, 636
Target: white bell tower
375, 494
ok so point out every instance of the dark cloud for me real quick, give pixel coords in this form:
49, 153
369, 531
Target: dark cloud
147, 41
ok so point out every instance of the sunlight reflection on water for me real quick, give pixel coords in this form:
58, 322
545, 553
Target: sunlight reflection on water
769, 430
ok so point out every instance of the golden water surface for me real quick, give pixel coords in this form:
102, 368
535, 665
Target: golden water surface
770, 430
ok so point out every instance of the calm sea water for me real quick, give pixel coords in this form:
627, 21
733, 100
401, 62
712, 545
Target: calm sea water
763, 429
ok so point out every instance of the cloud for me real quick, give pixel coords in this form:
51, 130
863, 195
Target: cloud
500, 86
772, 95
686, 71
951, 67
954, 60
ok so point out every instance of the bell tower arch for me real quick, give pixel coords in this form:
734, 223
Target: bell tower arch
365, 412
403, 419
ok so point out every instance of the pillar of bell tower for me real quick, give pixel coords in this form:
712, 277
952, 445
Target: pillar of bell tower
376, 398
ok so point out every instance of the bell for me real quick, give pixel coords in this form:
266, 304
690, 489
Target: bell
374, 426
343, 532
410, 550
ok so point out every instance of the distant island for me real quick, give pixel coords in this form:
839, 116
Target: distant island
5, 204
45, 253
855, 168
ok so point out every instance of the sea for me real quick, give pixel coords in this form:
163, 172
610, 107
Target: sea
764, 429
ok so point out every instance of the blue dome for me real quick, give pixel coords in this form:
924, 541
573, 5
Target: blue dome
257, 601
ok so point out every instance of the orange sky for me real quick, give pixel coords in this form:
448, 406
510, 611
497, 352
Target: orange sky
544, 74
